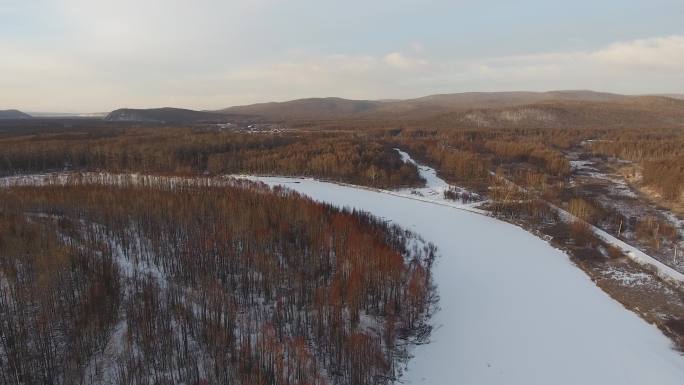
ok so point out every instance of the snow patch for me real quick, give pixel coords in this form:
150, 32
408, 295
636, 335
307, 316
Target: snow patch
582, 165
662, 270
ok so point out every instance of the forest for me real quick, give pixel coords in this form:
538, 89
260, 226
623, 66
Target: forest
352, 152
660, 152
362, 153
186, 151
153, 280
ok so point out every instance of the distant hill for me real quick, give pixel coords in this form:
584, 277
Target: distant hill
673, 96
638, 111
166, 115
312, 108
332, 108
13, 114
485, 109
577, 108
470, 100
43, 114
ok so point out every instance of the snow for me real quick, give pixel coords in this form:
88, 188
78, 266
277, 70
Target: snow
663, 271
629, 279
514, 310
102, 366
582, 165
679, 223
432, 181
618, 186
434, 188
588, 169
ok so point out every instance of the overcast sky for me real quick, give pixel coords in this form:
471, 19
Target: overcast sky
97, 55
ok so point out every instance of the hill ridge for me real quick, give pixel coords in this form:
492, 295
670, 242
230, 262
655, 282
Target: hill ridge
14, 114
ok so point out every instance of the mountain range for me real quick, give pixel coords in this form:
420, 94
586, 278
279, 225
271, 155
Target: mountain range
481, 109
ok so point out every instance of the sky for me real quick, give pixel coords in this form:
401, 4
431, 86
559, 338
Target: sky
99, 55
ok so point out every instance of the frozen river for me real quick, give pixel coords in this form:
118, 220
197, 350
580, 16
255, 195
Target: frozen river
514, 310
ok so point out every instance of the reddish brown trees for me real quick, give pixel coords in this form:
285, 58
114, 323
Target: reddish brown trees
185, 281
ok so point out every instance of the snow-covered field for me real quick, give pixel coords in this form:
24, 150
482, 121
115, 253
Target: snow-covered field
514, 310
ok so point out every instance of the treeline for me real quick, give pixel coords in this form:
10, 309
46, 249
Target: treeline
667, 176
363, 156
343, 156
660, 152
357, 161
165, 282
469, 157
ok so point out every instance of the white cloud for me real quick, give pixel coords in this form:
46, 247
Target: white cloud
352, 76
663, 53
54, 79
651, 65
657, 54
639, 66
401, 61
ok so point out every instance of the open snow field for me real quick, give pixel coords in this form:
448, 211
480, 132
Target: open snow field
514, 310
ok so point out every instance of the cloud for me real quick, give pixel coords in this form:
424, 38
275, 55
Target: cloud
650, 65
333, 70
662, 53
401, 61
352, 76
147, 75
638, 66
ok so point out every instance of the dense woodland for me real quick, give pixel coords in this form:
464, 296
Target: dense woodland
167, 280
470, 157
361, 152
536, 158
659, 152
184, 151
354, 152
481, 159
